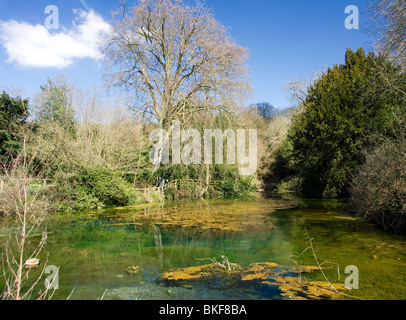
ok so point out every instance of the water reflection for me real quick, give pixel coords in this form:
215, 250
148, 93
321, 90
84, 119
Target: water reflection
95, 249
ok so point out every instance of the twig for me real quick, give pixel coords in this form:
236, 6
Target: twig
310, 240
102, 297
70, 295
317, 260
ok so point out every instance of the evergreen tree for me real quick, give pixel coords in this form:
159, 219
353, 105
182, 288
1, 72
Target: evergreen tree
13, 114
341, 110
54, 104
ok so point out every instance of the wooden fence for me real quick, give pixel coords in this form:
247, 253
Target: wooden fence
188, 187
147, 191
180, 186
185, 183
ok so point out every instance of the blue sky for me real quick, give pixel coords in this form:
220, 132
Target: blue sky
287, 39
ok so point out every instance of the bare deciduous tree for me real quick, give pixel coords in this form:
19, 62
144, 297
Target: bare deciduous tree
387, 24
298, 88
387, 21
105, 135
176, 59
30, 212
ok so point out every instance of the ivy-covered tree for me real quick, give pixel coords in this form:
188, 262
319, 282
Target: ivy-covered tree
341, 110
13, 114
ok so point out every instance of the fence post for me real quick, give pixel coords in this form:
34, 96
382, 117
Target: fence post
1, 185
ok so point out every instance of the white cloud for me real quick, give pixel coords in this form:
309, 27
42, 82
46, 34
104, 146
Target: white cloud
34, 46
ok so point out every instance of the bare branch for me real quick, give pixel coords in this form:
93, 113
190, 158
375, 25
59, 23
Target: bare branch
170, 54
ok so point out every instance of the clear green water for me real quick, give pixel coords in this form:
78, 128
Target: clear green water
94, 249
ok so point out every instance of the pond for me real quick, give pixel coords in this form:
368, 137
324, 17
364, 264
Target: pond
165, 252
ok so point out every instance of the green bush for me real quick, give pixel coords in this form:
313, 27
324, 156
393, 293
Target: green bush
107, 185
94, 188
232, 184
289, 185
81, 200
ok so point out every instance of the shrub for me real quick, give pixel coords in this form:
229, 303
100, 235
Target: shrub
234, 185
289, 185
379, 189
93, 188
107, 185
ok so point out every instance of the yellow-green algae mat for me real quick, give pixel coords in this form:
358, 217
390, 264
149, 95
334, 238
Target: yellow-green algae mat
288, 280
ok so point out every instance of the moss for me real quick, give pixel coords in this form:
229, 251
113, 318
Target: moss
262, 273
297, 289
132, 270
259, 271
236, 218
197, 272
304, 269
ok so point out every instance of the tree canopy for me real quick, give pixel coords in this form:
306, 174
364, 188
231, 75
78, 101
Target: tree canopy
342, 108
265, 109
387, 21
54, 104
13, 114
175, 59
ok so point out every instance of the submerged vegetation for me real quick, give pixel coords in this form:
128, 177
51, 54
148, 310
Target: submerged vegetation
125, 251
209, 217
256, 274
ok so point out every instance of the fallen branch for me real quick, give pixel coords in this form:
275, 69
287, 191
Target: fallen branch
310, 241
